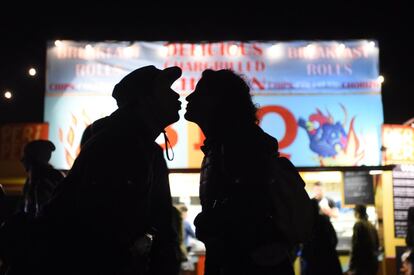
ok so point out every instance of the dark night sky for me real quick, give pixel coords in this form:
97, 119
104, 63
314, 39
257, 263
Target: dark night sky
23, 39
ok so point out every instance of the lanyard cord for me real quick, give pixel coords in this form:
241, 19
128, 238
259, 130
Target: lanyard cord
168, 144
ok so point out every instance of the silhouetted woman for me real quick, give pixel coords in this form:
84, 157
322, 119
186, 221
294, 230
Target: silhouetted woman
234, 223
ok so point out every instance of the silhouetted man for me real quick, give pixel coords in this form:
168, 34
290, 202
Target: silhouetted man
326, 204
365, 245
235, 223
18, 240
42, 178
115, 204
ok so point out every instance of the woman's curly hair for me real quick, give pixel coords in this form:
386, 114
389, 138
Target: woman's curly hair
234, 92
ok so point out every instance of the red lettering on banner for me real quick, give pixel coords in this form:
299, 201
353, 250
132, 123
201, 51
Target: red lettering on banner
222, 49
290, 124
328, 69
327, 52
188, 84
61, 86
13, 137
213, 49
260, 66
248, 66
257, 83
242, 49
183, 84
257, 50
200, 66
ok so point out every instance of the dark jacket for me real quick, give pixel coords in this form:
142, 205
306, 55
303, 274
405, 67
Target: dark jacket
365, 245
236, 208
103, 207
319, 253
39, 188
409, 237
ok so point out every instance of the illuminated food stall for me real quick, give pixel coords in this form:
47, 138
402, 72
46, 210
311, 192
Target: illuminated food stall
320, 99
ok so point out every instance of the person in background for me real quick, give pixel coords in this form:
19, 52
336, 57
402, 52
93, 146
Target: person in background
365, 245
42, 177
3, 268
188, 229
407, 260
326, 204
409, 237
19, 242
2, 204
177, 222
319, 256
407, 257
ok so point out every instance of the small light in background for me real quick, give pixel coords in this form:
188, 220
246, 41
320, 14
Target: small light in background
340, 49
198, 51
310, 51
32, 72
163, 51
369, 47
89, 52
58, 43
380, 79
275, 51
233, 50
131, 52
375, 172
8, 95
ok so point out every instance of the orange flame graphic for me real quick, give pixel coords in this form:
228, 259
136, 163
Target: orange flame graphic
351, 155
70, 136
68, 139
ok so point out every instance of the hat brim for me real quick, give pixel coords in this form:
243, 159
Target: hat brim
170, 74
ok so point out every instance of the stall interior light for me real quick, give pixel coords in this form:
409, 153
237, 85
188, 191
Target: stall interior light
327, 176
375, 172
184, 184
380, 79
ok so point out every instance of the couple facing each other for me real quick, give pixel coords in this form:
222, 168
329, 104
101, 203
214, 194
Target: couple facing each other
117, 192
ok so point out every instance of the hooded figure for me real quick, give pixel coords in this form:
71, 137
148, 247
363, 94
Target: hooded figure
114, 207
